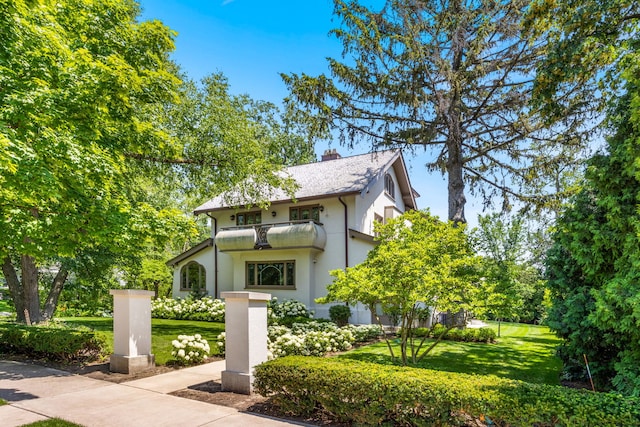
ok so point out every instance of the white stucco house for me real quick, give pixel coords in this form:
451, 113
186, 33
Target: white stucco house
288, 249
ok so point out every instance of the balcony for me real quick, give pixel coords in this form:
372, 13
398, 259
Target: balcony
282, 235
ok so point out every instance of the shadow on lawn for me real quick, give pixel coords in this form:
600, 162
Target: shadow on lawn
532, 365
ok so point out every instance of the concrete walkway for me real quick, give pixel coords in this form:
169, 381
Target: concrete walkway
36, 393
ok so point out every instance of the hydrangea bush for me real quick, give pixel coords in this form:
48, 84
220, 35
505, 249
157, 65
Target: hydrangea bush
207, 309
190, 349
312, 338
292, 309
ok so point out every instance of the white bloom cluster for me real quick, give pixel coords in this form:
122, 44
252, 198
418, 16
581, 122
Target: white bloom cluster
288, 308
312, 338
190, 349
206, 308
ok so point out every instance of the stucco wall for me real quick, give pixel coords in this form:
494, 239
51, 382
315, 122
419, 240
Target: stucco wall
204, 257
312, 266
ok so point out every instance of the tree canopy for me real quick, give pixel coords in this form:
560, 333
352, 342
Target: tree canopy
92, 108
420, 262
454, 78
512, 287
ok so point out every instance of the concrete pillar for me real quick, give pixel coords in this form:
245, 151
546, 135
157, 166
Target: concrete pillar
131, 331
246, 338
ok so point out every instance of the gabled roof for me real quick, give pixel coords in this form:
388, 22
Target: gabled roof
339, 177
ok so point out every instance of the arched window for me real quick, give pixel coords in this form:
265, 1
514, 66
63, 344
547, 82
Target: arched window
389, 186
193, 277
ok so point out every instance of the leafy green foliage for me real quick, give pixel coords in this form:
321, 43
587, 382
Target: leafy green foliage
369, 394
512, 286
454, 78
589, 43
593, 274
100, 142
339, 314
54, 342
419, 261
486, 335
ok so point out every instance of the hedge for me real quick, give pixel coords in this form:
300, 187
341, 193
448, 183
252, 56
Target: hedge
54, 342
370, 394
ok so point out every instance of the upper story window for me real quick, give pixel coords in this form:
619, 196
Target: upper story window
301, 213
389, 186
249, 218
193, 276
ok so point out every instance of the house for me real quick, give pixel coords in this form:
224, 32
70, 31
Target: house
288, 249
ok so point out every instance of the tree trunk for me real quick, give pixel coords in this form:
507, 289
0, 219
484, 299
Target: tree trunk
455, 160
51, 303
30, 290
15, 287
456, 184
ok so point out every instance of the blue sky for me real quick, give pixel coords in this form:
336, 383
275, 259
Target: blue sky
253, 41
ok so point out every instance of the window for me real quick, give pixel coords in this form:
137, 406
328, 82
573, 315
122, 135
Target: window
271, 274
389, 186
193, 277
304, 213
249, 218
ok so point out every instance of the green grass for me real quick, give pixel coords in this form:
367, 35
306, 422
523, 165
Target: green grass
162, 332
52, 422
523, 352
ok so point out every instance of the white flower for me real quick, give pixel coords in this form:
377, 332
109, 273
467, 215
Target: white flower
180, 353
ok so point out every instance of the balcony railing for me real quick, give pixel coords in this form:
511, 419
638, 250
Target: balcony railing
280, 235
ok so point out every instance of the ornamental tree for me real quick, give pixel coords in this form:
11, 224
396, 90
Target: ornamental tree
419, 262
455, 79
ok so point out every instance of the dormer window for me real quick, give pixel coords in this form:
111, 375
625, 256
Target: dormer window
389, 186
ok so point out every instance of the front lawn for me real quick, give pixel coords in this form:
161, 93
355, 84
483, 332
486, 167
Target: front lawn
523, 352
163, 332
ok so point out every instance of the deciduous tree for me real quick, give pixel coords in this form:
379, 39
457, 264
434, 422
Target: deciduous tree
512, 287
85, 89
419, 262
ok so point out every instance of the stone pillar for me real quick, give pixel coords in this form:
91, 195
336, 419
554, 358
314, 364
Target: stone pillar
246, 338
131, 331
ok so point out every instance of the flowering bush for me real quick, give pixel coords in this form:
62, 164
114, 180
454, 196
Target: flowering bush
207, 309
312, 338
190, 349
221, 342
279, 311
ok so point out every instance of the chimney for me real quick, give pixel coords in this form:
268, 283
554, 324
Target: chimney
330, 155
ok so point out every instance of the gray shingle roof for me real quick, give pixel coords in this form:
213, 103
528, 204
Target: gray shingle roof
346, 175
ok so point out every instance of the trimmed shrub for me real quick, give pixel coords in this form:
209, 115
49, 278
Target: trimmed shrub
55, 342
369, 394
339, 314
487, 335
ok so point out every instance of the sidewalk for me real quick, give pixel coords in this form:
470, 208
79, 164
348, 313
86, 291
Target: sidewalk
36, 393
